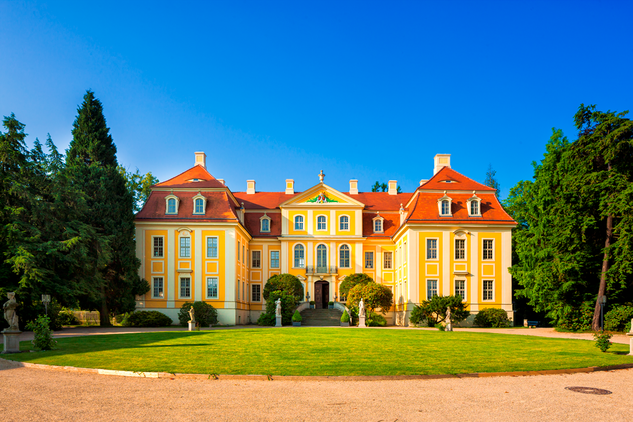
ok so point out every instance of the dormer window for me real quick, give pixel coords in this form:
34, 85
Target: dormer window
264, 224
474, 206
444, 206
378, 223
171, 204
199, 204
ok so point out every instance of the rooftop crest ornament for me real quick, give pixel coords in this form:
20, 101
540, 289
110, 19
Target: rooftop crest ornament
321, 199
321, 176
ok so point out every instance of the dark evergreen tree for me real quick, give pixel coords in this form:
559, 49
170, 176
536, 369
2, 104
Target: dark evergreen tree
491, 180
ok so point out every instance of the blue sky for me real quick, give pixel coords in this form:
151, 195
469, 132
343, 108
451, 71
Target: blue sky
274, 90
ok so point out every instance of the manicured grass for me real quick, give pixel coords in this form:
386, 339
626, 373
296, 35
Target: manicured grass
324, 351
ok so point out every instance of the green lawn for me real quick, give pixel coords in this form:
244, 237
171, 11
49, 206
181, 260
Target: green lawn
324, 351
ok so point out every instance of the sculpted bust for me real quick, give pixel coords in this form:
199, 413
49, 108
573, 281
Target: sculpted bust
9, 312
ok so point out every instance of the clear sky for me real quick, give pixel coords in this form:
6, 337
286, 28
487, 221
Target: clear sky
274, 90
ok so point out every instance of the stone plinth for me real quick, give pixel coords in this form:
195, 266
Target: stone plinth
361, 322
192, 325
278, 321
11, 341
630, 343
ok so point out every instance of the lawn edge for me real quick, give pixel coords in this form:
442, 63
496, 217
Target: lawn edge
233, 377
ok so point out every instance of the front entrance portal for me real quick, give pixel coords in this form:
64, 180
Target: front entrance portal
321, 294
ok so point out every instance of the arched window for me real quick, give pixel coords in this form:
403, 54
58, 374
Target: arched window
474, 207
300, 260
321, 259
299, 222
344, 223
377, 225
321, 222
199, 209
265, 225
344, 256
445, 207
171, 206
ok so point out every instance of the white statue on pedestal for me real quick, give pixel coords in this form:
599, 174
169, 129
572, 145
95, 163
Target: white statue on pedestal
278, 307
9, 312
449, 323
361, 308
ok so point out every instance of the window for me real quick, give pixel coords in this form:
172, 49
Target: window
369, 260
344, 223
257, 259
474, 207
488, 249
388, 257
199, 206
256, 292
243, 291
378, 225
274, 259
321, 259
446, 207
460, 288
460, 248
239, 246
238, 290
212, 247
300, 260
185, 288
212, 287
431, 248
185, 247
171, 206
244, 253
488, 289
431, 289
298, 222
264, 224
157, 288
321, 222
158, 247
344, 256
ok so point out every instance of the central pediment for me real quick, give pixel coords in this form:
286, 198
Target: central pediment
322, 195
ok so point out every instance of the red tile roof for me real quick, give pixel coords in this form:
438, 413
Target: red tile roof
449, 179
263, 200
196, 172
424, 209
218, 207
390, 225
252, 224
381, 201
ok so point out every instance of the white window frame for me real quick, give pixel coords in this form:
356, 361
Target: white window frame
316, 258
273, 260
180, 246
483, 249
491, 291
464, 296
217, 287
299, 223
302, 259
239, 247
259, 259
210, 247
176, 204
349, 256
319, 223
162, 288
449, 203
474, 200
162, 247
437, 286
263, 218
180, 287
384, 260
259, 293
436, 249
341, 223
371, 259
378, 224
465, 251
238, 289
199, 196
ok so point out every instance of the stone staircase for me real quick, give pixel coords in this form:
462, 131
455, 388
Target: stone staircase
321, 317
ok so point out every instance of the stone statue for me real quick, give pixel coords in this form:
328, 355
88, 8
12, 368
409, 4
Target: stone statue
192, 315
361, 308
278, 307
449, 323
9, 312
631, 331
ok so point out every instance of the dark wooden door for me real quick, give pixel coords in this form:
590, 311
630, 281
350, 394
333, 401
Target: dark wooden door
318, 295
325, 295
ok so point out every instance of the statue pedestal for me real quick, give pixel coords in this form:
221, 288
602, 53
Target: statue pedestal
192, 325
11, 341
278, 321
361, 322
630, 342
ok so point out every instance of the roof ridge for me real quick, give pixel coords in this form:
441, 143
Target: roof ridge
184, 172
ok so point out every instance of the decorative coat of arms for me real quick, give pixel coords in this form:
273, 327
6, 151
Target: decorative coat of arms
321, 199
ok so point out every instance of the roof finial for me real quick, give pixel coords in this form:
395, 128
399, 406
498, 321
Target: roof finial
321, 176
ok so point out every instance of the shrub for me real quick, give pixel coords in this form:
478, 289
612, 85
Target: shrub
287, 283
492, 317
288, 306
353, 280
577, 319
67, 317
146, 319
440, 327
618, 318
205, 314
296, 317
374, 296
330, 303
345, 316
434, 311
602, 340
376, 320
43, 336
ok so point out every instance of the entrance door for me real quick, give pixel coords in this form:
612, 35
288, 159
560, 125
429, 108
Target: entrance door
321, 294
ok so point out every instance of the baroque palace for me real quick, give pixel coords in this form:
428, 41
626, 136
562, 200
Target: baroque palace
198, 240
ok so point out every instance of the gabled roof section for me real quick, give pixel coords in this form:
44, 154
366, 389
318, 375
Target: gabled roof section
311, 196
218, 208
449, 179
263, 200
186, 180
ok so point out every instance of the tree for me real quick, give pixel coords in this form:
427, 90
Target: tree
92, 166
139, 185
434, 310
286, 283
383, 187
353, 280
374, 295
491, 181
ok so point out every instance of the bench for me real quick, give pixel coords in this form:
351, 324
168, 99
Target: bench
532, 324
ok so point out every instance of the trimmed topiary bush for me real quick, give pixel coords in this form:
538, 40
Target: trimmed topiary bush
286, 283
492, 317
146, 319
352, 281
345, 316
296, 317
205, 314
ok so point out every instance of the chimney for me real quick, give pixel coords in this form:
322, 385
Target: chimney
290, 187
423, 181
393, 187
201, 159
441, 160
250, 187
221, 181
353, 187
